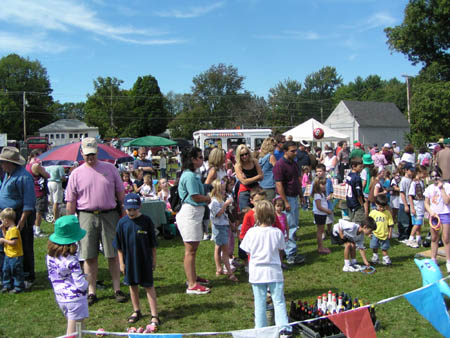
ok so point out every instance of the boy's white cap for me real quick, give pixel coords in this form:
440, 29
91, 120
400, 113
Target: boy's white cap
387, 145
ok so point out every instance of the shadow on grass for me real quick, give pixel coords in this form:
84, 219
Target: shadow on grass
187, 310
296, 295
169, 243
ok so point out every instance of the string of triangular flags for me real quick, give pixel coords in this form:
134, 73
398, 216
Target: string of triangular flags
355, 323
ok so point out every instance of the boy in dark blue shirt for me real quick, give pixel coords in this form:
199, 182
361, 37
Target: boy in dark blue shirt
136, 245
354, 192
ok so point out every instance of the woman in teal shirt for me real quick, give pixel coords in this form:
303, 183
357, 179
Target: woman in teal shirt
190, 217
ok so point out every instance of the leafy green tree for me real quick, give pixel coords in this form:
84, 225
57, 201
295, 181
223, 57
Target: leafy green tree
219, 93
189, 119
373, 88
217, 100
69, 110
430, 105
109, 107
424, 35
18, 75
318, 91
255, 114
175, 102
150, 115
285, 104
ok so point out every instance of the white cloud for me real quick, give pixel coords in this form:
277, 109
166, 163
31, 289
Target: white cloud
380, 20
376, 20
192, 12
70, 15
297, 35
28, 44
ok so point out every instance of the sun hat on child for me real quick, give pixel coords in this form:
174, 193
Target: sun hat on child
67, 230
367, 159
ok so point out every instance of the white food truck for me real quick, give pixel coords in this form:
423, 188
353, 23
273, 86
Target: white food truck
230, 138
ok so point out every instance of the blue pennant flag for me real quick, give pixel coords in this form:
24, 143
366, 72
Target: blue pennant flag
430, 304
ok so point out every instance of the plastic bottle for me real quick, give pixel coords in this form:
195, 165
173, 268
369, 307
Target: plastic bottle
340, 306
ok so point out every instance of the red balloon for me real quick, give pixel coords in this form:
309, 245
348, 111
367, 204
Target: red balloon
318, 133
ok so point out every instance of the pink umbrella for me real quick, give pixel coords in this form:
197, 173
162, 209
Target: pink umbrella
69, 153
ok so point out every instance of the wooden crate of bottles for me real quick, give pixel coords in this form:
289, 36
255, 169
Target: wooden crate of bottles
325, 305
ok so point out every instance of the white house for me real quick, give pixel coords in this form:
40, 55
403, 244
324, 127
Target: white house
370, 122
66, 131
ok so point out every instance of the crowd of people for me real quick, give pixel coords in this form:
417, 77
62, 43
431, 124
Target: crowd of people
255, 196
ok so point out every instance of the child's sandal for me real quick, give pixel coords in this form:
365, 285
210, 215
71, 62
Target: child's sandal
233, 278
135, 316
154, 325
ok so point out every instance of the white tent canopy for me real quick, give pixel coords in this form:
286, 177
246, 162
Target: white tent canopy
304, 132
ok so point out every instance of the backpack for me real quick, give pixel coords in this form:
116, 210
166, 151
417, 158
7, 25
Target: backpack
426, 161
175, 200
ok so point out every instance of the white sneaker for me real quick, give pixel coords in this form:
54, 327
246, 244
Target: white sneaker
349, 268
225, 271
387, 261
357, 266
39, 234
374, 259
448, 267
412, 244
206, 237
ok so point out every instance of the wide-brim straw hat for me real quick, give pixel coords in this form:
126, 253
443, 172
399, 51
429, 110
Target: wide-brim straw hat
11, 154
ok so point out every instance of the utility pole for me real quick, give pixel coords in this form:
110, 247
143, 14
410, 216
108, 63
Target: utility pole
24, 108
408, 97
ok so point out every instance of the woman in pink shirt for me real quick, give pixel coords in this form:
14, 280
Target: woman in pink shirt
379, 160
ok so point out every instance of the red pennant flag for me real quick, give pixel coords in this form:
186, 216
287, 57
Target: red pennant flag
355, 323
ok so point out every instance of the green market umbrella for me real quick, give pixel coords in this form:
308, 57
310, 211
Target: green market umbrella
150, 141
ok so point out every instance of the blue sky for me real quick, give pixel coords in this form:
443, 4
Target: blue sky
268, 41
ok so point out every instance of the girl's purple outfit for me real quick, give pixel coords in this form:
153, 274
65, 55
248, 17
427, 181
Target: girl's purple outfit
70, 285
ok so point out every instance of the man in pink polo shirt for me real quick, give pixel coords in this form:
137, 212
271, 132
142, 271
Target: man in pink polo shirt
93, 191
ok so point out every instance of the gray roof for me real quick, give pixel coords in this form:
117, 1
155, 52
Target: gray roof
376, 114
66, 125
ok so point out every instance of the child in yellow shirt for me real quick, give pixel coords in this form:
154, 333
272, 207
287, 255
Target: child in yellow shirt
383, 233
13, 279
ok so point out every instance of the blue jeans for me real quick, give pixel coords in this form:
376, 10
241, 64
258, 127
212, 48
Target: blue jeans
27, 235
292, 219
2, 259
279, 304
404, 223
244, 199
13, 273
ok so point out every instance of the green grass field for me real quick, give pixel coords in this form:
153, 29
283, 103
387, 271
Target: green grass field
230, 305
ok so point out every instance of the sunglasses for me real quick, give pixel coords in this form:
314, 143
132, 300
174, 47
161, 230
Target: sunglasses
435, 176
244, 154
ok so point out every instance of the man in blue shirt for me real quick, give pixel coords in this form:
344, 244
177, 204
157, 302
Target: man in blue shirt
17, 192
141, 163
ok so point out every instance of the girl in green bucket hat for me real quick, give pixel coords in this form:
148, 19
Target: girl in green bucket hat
366, 177
65, 273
